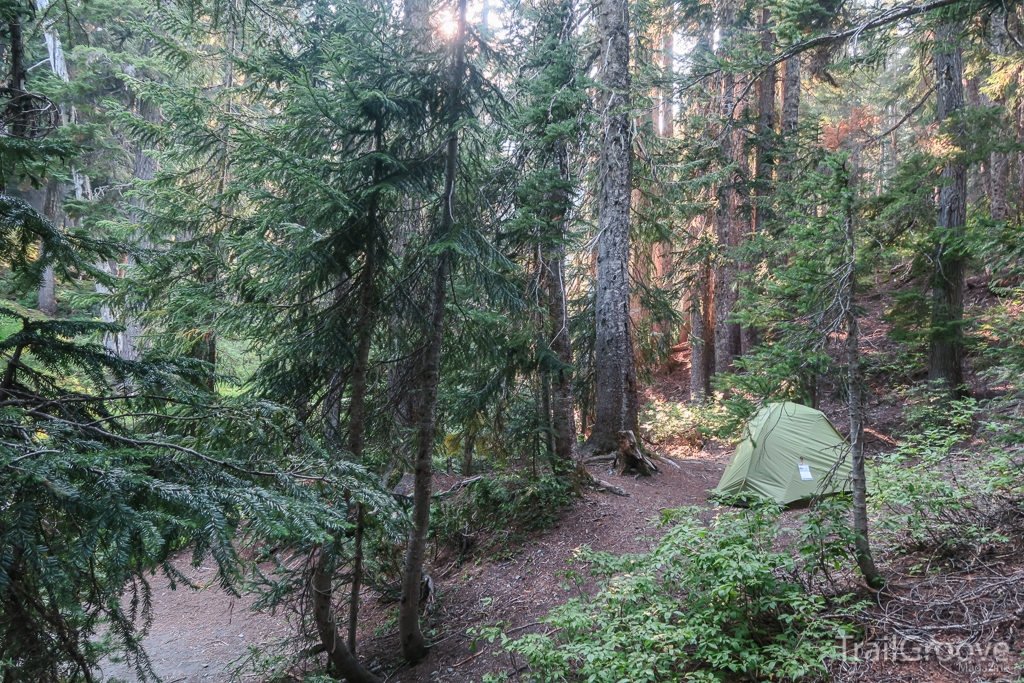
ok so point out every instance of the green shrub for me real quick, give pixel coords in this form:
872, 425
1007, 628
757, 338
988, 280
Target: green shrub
926, 498
714, 601
661, 420
513, 503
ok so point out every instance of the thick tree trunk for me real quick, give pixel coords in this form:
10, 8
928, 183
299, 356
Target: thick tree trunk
764, 156
616, 401
726, 335
47, 293
414, 645
126, 344
945, 359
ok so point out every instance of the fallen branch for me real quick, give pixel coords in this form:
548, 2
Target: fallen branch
469, 658
668, 460
458, 486
610, 487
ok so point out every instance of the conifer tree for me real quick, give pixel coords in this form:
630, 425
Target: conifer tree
616, 403
552, 121
414, 645
945, 349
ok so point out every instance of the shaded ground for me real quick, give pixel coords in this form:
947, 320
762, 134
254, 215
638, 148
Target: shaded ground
196, 635
517, 592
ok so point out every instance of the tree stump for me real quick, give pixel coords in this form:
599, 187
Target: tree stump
629, 456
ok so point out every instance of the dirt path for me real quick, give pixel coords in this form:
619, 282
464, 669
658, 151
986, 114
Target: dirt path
518, 592
196, 636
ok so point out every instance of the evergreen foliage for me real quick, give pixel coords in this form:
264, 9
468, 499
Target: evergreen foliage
293, 251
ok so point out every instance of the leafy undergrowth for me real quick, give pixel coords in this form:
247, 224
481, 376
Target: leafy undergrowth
760, 594
494, 513
714, 601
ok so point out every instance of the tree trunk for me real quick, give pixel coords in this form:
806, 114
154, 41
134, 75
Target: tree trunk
664, 128
764, 158
616, 401
945, 360
726, 333
855, 382
357, 406
342, 659
563, 410
702, 336
1000, 174
125, 344
727, 336
414, 645
790, 101
54, 211
47, 293
468, 442
19, 126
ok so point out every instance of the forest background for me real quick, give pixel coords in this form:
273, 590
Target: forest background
263, 262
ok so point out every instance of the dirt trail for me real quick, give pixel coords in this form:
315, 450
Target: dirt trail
196, 636
518, 592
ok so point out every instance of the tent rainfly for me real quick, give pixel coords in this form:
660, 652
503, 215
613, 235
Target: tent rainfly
788, 455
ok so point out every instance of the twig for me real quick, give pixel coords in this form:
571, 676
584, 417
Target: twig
471, 657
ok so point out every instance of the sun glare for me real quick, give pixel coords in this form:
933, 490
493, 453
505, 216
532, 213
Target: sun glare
446, 23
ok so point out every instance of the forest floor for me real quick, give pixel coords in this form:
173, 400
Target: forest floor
200, 637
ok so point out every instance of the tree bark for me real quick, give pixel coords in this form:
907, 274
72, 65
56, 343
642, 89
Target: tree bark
414, 645
999, 169
790, 118
855, 383
54, 211
616, 401
764, 158
702, 337
47, 293
563, 410
125, 344
345, 663
18, 77
357, 406
726, 333
945, 358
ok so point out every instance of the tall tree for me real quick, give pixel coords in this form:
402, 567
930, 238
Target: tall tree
616, 400
855, 374
945, 348
726, 331
414, 645
552, 122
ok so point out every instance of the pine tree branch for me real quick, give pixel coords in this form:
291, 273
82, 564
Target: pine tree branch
885, 18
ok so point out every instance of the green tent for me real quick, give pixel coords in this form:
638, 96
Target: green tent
789, 455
